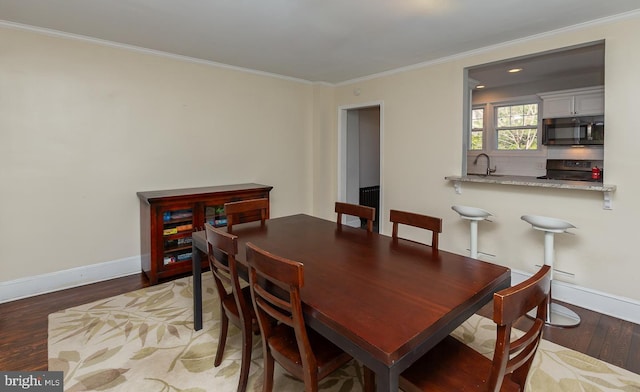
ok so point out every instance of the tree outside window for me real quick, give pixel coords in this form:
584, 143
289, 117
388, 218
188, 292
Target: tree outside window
477, 129
517, 127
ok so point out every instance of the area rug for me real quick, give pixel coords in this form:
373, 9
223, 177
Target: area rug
144, 341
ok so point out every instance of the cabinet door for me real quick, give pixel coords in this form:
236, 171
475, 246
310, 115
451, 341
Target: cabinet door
589, 104
557, 107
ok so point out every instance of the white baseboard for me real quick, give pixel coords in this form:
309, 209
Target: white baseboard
612, 305
59, 280
609, 304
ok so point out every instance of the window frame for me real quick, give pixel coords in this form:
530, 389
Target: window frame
490, 141
484, 127
497, 129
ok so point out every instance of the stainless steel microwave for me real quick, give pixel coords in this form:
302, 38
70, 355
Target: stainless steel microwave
573, 131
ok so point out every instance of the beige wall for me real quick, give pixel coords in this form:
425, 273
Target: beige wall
85, 126
422, 138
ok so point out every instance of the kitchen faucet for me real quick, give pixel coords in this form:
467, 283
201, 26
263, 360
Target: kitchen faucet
489, 169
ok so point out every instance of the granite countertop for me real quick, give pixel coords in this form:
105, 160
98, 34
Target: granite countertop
533, 181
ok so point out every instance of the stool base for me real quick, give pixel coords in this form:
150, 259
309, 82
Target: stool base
559, 316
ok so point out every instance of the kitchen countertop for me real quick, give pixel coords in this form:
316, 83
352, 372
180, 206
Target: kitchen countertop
533, 181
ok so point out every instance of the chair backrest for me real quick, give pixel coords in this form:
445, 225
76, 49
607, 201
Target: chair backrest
275, 289
515, 357
364, 212
222, 250
417, 220
253, 210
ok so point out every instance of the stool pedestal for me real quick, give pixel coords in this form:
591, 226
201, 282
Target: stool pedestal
557, 315
474, 215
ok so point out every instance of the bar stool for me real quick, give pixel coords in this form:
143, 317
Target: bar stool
474, 215
557, 315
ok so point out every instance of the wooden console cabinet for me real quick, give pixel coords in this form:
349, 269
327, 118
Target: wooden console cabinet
168, 217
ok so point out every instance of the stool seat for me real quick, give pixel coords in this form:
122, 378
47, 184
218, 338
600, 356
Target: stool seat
545, 223
471, 213
474, 215
557, 315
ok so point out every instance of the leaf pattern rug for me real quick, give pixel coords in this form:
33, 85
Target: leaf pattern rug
144, 341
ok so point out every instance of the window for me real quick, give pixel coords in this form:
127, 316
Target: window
517, 127
477, 129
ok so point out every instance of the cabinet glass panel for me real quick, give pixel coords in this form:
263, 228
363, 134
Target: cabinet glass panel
214, 215
176, 235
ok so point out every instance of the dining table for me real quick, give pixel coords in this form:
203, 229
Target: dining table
384, 301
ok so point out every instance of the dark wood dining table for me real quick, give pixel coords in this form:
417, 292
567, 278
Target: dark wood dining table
386, 302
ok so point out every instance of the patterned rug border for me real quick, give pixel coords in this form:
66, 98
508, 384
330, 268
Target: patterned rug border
144, 340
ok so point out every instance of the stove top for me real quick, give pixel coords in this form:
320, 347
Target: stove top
571, 169
569, 178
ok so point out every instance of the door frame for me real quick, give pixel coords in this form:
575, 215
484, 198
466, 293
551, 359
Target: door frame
342, 152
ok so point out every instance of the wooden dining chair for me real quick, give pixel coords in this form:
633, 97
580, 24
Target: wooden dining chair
417, 220
363, 212
235, 302
249, 210
275, 289
454, 366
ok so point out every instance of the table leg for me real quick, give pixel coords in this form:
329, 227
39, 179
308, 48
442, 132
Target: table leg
197, 287
386, 382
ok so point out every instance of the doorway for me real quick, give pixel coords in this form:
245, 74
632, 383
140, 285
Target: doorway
359, 158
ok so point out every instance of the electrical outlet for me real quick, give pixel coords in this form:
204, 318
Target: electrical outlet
540, 165
484, 255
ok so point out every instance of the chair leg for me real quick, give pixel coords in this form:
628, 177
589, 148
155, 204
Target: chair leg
247, 343
268, 372
519, 376
311, 380
222, 341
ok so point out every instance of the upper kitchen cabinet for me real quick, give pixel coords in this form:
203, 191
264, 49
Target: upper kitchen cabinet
575, 102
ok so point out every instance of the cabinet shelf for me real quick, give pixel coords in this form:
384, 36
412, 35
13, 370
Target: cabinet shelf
174, 222
175, 265
177, 236
177, 249
169, 217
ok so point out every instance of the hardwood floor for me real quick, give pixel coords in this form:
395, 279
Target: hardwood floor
600, 336
23, 327
24, 323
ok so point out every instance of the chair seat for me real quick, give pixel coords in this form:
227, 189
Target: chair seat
451, 366
285, 349
229, 304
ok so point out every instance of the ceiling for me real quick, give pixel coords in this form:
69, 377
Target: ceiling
329, 41
553, 65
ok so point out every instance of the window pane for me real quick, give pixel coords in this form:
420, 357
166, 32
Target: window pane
503, 114
517, 115
476, 140
517, 111
503, 122
477, 129
518, 139
531, 109
517, 120
477, 119
531, 120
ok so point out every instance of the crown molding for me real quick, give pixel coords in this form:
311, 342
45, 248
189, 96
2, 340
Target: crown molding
490, 48
133, 48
